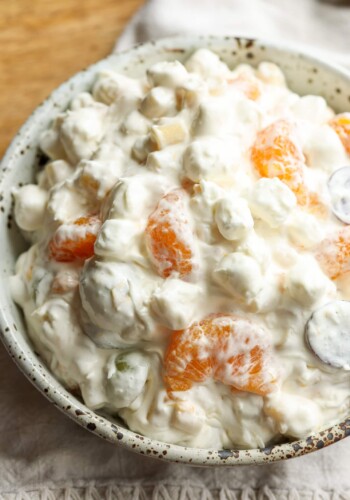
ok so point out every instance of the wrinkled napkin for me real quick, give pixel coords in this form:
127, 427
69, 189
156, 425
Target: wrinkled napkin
43, 454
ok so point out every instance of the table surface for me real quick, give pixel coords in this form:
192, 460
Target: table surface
43, 42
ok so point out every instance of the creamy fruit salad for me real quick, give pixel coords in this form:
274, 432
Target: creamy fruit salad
190, 254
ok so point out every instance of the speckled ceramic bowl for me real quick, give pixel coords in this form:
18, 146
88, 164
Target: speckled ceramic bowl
305, 75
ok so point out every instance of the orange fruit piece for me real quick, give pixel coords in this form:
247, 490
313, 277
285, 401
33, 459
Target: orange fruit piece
341, 124
169, 238
224, 347
248, 85
333, 254
75, 241
276, 153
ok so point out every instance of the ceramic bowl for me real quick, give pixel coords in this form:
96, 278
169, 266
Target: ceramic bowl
305, 75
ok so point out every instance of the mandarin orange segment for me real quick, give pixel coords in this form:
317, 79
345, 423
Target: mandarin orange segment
75, 241
248, 85
224, 347
276, 153
333, 254
169, 238
341, 124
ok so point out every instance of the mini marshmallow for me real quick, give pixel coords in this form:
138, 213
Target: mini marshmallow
205, 158
175, 302
272, 201
97, 177
206, 194
164, 159
135, 123
118, 240
50, 142
304, 229
306, 283
323, 149
233, 218
312, 108
30, 206
81, 131
206, 64
294, 415
215, 117
83, 100
167, 74
168, 133
254, 246
270, 73
240, 275
55, 172
158, 102
141, 148
111, 86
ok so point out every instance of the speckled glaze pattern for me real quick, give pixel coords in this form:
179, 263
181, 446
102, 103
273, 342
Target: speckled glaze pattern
305, 75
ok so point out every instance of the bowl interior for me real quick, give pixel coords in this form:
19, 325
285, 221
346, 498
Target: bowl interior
305, 75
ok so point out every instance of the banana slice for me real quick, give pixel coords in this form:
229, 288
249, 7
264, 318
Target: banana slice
328, 334
339, 189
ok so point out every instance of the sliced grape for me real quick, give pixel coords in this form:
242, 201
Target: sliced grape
339, 189
328, 334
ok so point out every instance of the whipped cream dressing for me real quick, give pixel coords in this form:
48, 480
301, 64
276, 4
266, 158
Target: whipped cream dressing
103, 325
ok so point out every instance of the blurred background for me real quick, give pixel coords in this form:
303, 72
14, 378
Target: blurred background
43, 42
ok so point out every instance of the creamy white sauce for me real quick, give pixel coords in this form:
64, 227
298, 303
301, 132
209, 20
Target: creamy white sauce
103, 326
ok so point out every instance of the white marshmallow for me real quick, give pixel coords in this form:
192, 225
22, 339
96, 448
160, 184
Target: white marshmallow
203, 205
294, 415
175, 303
270, 73
323, 149
272, 201
158, 102
164, 160
83, 100
304, 229
97, 177
306, 283
167, 74
207, 64
254, 246
215, 117
135, 123
233, 218
81, 131
240, 275
50, 142
30, 206
55, 172
168, 132
118, 240
141, 148
111, 86
312, 108
133, 196
205, 158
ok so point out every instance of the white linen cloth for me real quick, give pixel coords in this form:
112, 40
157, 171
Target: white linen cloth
320, 25
44, 455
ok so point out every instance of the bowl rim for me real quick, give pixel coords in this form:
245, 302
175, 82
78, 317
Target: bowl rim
96, 423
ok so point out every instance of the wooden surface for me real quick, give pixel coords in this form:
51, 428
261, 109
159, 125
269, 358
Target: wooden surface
43, 42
